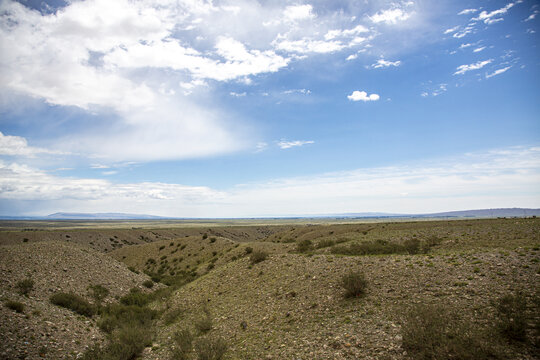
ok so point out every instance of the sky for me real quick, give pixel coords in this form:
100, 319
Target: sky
246, 108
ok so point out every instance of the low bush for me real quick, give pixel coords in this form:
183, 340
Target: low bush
74, 303
98, 293
304, 246
117, 315
135, 297
172, 315
148, 284
204, 324
257, 256
512, 316
25, 286
15, 306
183, 344
433, 332
354, 283
325, 243
249, 250
210, 348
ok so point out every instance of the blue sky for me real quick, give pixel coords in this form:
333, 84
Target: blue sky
267, 108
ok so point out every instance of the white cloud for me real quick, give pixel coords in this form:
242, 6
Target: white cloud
464, 32
390, 16
18, 146
463, 46
332, 34
307, 45
462, 69
235, 94
506, 177
297, 91
351, 57
261, 146
467, 11
298, 12
451, 30
532, 16
493, 16
381, 63
284, 144
362, 96
497, 72
481, 48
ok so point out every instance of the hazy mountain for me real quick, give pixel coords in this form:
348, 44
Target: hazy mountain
101, 216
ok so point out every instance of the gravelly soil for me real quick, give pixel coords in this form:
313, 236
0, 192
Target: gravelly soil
45, 330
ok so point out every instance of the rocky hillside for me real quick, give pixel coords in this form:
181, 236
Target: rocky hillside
43, 330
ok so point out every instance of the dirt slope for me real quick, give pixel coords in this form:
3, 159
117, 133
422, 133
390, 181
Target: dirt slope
54, 267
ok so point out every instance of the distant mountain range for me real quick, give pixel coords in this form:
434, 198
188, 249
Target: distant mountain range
482, 213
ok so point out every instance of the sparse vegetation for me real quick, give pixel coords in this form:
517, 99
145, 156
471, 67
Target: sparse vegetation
210, 348
512, 316
25, 286
74, 303
135, 297
257, 256
183, 344
15, 306
148, 284
432, 332
354, 283
98, 293
304, 246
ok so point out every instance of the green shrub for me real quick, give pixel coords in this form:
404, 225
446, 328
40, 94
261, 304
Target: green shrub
74, 303
512, 317
148, 284
98, 293
412, 246
325, 243
183, 341
135, 297
354, 284
205, 236
172, 315
25, 286
204, 324
212, 239
117, 315
209, 348
249, 250
257, 256
15, 306
304, 246
433, 332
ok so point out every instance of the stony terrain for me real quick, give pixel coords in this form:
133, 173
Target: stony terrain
44, 329
290, 305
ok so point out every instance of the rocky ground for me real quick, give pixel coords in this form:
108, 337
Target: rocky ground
44, 330
291, 305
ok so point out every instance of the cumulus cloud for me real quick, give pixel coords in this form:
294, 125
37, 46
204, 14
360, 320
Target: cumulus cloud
498, 72
298, 12
381, 63
284, 144
462, 69
390, 16
362, 96
18, 146
481, 48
